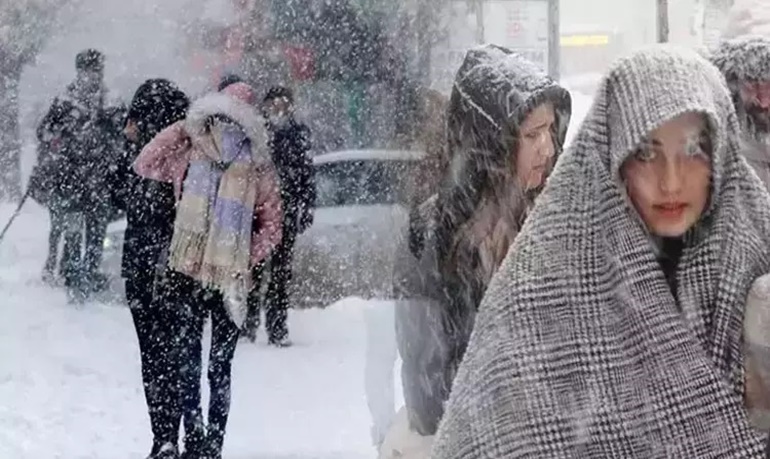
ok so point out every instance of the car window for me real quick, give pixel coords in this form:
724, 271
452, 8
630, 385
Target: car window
348, 183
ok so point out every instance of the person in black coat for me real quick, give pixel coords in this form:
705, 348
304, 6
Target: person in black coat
150, 211
290, 147
66, 178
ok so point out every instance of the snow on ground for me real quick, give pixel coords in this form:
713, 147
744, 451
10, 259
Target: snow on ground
70, 377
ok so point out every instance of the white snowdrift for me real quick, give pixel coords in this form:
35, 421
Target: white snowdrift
70, 379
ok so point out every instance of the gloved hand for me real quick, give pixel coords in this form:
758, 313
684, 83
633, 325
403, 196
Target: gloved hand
305, 221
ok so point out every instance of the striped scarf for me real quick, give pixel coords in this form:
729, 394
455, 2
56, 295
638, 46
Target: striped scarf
213, 226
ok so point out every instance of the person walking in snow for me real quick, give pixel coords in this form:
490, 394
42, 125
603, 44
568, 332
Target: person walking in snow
228, 220
614, 326
745, 64
66, 177
149, 207
290, 146
506, 125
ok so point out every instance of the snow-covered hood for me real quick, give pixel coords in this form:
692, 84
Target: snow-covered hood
494, 90
743, 60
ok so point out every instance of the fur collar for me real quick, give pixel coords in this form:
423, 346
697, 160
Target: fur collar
240, 112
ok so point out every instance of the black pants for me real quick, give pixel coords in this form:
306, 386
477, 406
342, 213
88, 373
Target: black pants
95, 231
224, 337
68, 225
79, 262
158, 325
277, 297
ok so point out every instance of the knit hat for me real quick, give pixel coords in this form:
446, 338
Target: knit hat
156, 104
90, 60
227, 80
241, 91
277, 92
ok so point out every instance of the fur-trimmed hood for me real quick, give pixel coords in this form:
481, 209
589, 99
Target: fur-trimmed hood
243, 114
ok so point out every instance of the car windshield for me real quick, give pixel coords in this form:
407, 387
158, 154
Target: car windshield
367, 182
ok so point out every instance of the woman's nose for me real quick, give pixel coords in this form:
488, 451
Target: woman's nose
546, 147
671, 177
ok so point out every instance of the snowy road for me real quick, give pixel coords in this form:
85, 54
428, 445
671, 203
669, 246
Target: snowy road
70, 380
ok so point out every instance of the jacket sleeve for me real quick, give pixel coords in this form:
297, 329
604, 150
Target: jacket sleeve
268, 214
428, 343
53, 122
166, 156
307, 174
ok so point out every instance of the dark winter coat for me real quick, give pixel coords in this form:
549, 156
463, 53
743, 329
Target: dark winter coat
746, 60
73, 154
290, 147
149, 205
493, 93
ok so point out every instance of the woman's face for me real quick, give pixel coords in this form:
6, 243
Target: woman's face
668, 178
131, 131
535, 156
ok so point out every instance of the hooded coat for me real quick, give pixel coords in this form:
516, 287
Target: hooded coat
744, 60
580, 348
149, 204
493, 93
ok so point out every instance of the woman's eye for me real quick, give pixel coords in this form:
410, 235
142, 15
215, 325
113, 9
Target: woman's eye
644, 154
694, 149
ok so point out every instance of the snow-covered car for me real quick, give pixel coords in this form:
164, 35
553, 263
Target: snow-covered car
359, 218
349, 249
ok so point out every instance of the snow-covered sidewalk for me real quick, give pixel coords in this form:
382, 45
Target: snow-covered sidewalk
70, 378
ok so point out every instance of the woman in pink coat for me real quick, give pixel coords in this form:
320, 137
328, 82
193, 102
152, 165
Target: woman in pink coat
228, 219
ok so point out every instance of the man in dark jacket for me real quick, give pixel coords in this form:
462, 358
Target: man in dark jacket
290, 146
70, 172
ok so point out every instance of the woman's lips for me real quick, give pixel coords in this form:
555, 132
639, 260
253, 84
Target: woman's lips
670, 209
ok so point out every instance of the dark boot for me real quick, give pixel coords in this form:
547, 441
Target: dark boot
224, 339
253, 305
277, 298
195, 440
165, 451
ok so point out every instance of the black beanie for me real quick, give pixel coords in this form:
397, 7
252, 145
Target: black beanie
156, 104
90, 59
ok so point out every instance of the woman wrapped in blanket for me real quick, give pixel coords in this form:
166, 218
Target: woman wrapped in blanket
614, 327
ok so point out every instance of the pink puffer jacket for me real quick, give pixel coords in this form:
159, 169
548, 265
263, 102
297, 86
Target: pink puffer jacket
167, 157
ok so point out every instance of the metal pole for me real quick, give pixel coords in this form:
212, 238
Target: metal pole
480, 35
662, 22
554, 40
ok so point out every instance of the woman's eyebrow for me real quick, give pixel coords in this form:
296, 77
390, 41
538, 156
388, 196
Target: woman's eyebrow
542, 125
